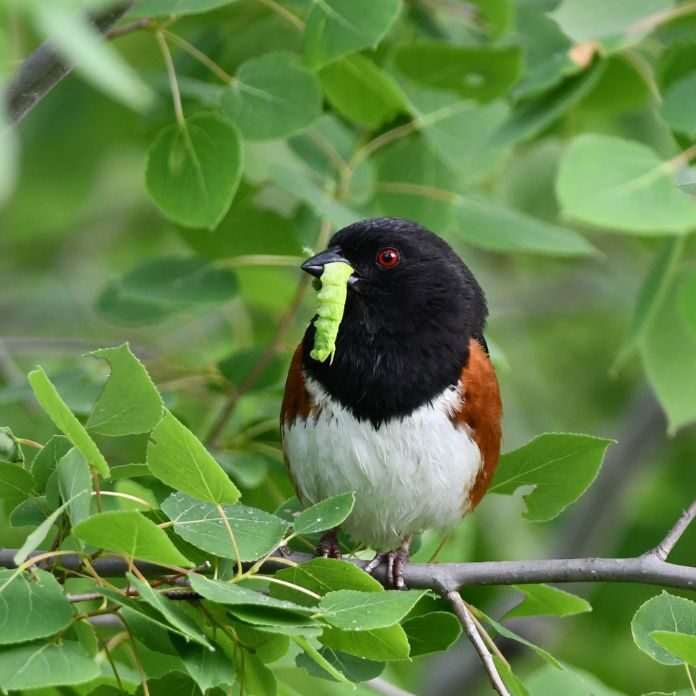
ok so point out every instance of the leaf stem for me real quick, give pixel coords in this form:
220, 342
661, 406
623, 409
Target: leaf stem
228, 527
285, 14
171, 74
30, 443
199, 56
691, 679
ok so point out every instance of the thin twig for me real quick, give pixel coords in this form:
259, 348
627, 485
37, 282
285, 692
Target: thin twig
664, 548
45, 68
281, 331
467, 621
171, 74
200, 57
285, 14
116, 32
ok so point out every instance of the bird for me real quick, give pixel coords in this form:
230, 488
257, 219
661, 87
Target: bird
407, 413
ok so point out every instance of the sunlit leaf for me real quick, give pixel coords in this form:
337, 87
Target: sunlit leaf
378, 644
544, 600
179, 459
325, 514
622, 186
130, 533
129, 402
665, 612
256, 532
193, 169
559, 466
681, 645
66, 422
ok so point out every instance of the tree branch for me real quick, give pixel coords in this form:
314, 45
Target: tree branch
467, 621
647, 569
664, 548
45, 68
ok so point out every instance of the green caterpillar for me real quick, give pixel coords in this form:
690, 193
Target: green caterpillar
332, 302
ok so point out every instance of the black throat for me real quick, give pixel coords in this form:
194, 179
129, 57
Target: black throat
385, 369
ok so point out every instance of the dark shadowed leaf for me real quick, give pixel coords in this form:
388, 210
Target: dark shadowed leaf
432, 632
75, 484
47, 459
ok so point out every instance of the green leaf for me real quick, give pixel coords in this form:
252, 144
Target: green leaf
171, 684
170, 611
324, 515
623, 186
177, 457
167, 8
10, 447
30, 513
665, 612
47, 459
31, 607
687, 300
46, 665
269, 646
271, 97
258, 679
550, 681
352, 610
679, 104
507, 633
544, 600
78, 41
680, 645
312, 654
256, 532
130, 533
75, 484
473, 72
432, 632
652, 295
164, 286
38, 535
381, 644
208, 668
301, 187
668, 350
489, 224
335, 28
355, 669
459, 132
362, 92
129, 402
609, 20
65, 421
193, 169
536, 113
16, 483
321, 576
235, 595
560, 466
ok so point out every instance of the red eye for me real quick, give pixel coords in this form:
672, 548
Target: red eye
388, 258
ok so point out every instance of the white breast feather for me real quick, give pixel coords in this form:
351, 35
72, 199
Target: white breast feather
409, 474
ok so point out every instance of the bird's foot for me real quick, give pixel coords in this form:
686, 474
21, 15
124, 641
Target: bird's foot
328, 546
395, 561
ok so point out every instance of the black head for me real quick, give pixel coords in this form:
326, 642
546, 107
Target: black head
412, 308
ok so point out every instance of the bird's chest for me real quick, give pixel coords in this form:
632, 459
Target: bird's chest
409, 474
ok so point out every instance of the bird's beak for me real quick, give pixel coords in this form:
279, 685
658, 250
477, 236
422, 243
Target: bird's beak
315, 265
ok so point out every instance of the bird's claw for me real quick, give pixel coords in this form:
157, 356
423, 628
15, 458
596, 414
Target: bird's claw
328, 546
394, 561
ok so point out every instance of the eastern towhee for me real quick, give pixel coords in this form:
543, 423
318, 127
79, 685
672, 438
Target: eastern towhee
407, 414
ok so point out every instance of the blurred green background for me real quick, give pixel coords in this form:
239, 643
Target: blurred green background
515, 89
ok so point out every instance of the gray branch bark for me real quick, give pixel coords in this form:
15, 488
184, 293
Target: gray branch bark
45, 68
647, 569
